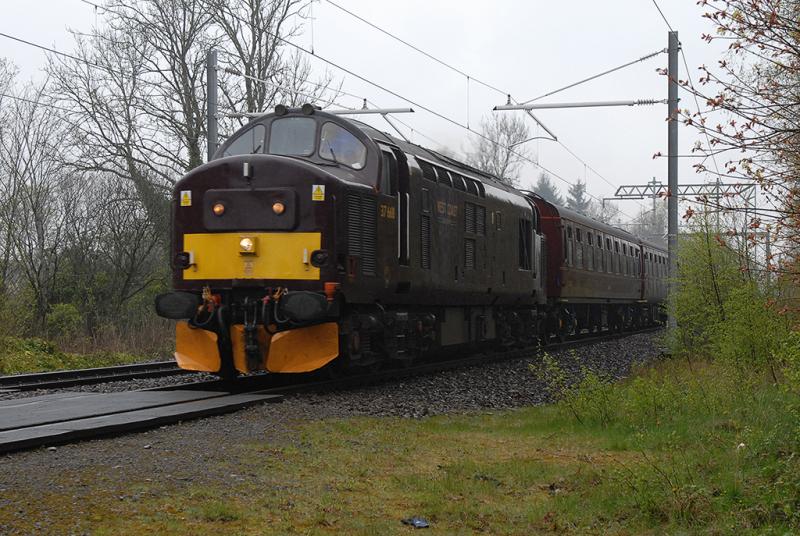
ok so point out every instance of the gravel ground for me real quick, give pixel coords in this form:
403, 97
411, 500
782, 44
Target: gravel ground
207, 450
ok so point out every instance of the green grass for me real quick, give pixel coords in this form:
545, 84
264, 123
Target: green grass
37, 355
679, 449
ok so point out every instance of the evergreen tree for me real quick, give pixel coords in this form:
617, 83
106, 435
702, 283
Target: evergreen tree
577, 199
545, 188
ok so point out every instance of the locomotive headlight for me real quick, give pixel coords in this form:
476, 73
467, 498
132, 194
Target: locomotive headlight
247, 246
278, 208
218, 209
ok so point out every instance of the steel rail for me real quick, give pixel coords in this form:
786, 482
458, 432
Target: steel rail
286, 384
69, 378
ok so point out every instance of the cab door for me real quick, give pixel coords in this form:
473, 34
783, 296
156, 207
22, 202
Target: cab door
394, 189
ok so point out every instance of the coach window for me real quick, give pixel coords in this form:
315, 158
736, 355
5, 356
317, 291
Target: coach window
589, 252
295, 136
570, 246
249, 142
599, 257
341, 146
624, 258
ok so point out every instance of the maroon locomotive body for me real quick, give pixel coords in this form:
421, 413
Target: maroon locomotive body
312, 239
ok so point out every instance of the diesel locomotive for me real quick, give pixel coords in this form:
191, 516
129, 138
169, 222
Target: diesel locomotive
311, 240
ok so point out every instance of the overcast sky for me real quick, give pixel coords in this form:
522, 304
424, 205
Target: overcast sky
526, 48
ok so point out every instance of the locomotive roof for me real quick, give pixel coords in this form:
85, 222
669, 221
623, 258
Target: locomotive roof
475, 173
433, 156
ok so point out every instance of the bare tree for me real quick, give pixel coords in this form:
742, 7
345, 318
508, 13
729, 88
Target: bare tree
651, 224
172, 38
111, 129
36, 194
605, 212
7, 74
749, 127
496, 152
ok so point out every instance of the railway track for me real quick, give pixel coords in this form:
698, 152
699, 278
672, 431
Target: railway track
286, 384
70, 378
64, 417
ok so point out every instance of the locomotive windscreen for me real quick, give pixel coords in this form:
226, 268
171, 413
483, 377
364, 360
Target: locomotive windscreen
248, 142
294, 136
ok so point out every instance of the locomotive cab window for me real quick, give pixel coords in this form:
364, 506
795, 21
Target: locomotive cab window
388, 184
293, 136
339, 145
249, 142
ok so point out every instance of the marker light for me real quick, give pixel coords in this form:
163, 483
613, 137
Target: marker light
247, 246
218, 209
278, 208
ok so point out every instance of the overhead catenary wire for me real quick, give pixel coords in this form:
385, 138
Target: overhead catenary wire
410, 45
655, 3
328, 102
598, 75
397, 95
691, 85
70, 56
37, 103
470, 78
46, 49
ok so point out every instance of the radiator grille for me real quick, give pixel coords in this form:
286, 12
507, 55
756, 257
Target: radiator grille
474, 219
425, 242
354, 225
480, 220
362, 231
369, 234
469, 254
427, 170
469, 218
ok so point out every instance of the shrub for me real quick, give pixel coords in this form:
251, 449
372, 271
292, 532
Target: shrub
64, 320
